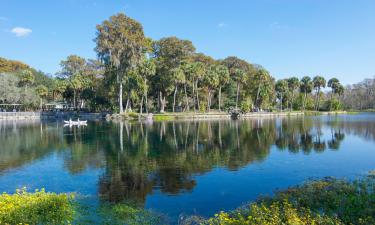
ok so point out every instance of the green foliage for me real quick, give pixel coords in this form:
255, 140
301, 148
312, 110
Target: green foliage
7, 65
161, 117
327, 201
42, 91
245, 106
11, 92
122, 213
39, 207
27, 78
274, 214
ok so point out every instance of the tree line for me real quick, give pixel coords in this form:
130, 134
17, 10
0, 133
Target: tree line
135, 73
360, 96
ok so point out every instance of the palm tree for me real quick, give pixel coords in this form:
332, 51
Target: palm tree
281, 88
319, 82
223, 73
211, 81
42, 92
306, 87
177, 77
239, 77
147, 69
293, 84
333, 83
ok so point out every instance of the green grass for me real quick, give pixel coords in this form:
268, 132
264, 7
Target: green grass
326, 201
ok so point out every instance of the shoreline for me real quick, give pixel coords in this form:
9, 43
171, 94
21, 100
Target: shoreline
155, 117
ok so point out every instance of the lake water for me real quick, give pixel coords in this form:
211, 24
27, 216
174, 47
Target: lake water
184, 168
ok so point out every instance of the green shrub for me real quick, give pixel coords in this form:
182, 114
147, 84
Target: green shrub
202, 106
161, 117
39, 207
273, 214
245, 106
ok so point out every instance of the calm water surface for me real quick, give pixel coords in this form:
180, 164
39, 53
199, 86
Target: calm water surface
184, 168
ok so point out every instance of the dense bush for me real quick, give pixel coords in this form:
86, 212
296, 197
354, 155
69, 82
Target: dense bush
39, 207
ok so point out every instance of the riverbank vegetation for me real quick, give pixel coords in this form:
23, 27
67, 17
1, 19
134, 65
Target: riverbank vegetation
134, 73
325, 201
37, 207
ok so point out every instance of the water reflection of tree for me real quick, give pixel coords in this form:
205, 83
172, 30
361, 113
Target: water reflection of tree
138, 158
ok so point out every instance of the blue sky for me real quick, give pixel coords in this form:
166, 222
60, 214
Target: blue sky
288, 37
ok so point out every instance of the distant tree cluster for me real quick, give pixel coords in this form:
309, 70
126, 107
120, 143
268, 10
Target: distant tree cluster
360, 96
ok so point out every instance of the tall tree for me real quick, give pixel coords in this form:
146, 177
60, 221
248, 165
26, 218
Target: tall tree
211, 81
293, 84
238, 71
73, 69
146, 70
306, 87
261, 87
120, 44
223, 74
333, 83
281, 88
170, 53
178, 78
42, 92
240, 77
194, 72
318, 82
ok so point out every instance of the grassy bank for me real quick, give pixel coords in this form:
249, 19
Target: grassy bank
327, 201
168, 116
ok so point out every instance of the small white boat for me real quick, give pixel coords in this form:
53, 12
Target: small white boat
78, 122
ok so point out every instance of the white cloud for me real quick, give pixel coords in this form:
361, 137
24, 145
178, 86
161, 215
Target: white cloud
21, 32
277, 26
221, 25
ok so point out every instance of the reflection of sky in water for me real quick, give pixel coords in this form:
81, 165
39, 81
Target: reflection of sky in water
89, 161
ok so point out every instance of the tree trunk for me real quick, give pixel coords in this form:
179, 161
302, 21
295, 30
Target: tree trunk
318, 103
146, 104
304, 101
220, 99
145, 94
127, 104
120, 98
74, 99
281, 102
257, 98
186, 99
41, 104
174, 98
208, 100
162, 102
197, 92
291, 102
141, 107
238, 92
194, 95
